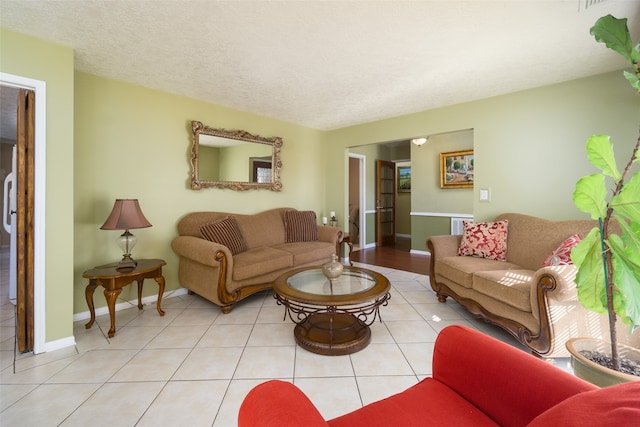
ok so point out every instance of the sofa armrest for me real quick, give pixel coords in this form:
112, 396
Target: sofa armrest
509, 385
329, 234
443, 246
278, 404
200, 250
563, 276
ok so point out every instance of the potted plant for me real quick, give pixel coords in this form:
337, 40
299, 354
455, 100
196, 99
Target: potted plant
608, 258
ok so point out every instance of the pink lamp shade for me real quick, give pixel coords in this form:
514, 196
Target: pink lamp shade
126, 214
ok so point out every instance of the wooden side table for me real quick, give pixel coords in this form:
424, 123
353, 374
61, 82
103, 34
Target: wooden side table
346, 239
113, 280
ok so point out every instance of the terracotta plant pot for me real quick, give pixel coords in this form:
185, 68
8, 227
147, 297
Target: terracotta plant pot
595, 373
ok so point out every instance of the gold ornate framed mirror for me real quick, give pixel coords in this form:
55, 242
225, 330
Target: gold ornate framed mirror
234, 159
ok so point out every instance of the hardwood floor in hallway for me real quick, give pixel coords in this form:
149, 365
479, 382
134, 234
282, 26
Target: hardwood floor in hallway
397, 256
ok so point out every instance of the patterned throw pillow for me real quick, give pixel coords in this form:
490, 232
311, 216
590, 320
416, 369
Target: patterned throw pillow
484, 240
300, 226
562, 254
226, 232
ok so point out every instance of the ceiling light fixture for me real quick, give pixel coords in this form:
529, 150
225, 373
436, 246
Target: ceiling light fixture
419, 141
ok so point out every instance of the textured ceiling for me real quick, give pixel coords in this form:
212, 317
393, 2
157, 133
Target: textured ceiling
329, 64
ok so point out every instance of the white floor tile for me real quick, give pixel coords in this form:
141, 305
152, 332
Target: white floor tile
209, 364
269, 334
178, 337
186, 403
380, 359
315, 365
266, 362
115, 404
411, 331
152, 365
94, 366
226, 336
48, 405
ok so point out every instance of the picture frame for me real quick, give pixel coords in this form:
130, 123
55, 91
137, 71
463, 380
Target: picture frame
456, 169
404, 179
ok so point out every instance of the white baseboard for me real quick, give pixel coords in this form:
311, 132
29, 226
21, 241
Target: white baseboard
127, 304
415, 251
60, 344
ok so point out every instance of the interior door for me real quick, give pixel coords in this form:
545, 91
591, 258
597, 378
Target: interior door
25, 143
385, 203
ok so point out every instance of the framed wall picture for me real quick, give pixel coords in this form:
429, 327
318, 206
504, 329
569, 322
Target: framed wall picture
456, 169
404, 179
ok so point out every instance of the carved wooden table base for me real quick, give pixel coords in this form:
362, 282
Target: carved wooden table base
113, 280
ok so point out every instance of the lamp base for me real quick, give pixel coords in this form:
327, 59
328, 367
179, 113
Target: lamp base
127, 263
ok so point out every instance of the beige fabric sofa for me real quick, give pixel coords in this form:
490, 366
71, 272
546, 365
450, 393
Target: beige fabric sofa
536, 305
210, 270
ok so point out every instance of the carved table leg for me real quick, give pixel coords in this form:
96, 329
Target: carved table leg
160, 281
111, 297
140, 283
88, 293
350, 245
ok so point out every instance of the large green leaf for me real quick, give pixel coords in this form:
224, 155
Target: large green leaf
627, 202
600, 154
590, 280
626, 278
634, 79
590, 195
625, 251
614, 33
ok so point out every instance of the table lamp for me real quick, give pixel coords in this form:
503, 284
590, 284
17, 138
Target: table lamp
125, 215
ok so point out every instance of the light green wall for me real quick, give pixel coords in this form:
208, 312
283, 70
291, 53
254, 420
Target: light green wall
529, 146
133, 142
39, 60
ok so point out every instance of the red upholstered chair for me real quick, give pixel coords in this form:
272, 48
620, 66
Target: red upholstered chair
477, 381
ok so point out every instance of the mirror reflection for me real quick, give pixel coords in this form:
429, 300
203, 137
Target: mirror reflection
234, 159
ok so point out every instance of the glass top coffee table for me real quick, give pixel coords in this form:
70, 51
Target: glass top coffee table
332, 317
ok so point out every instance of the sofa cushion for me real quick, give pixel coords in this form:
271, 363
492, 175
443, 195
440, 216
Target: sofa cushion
262, 229
512, 287
226, 232
460, 269
485, 240
562, 254
614, 406
531, 239
300, 226
428, 403
308, 252
259, 261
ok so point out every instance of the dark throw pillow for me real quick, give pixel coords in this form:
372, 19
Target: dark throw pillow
226, 232
300, 226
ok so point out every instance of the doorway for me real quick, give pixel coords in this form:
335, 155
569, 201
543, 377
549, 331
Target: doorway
37, 181
356, 201
385, 203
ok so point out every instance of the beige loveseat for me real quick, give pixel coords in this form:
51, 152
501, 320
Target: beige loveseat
537, 305
212, 271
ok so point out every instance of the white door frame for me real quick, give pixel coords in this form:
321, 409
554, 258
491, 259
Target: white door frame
40, 89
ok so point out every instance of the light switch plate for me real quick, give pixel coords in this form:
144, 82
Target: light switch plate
485, 194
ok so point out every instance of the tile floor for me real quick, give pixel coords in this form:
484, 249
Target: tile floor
195, 365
